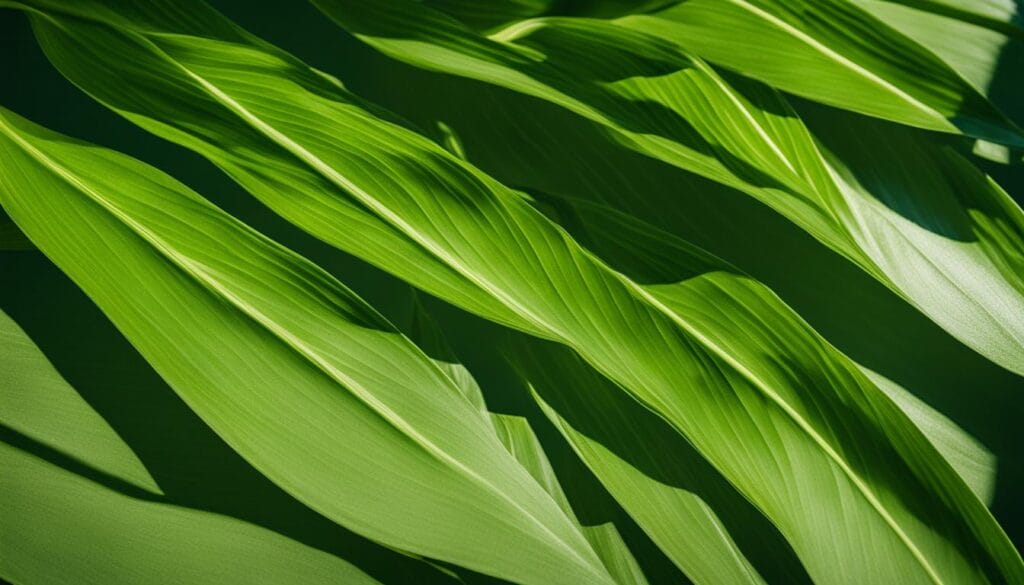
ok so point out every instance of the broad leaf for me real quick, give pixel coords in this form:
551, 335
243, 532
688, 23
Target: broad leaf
976, 39
841, 303
997, 15
519, 439
926, 215
108, 524
655, 100
668, 489
634, 459
313, 152
200, 295
834, 52
965, 44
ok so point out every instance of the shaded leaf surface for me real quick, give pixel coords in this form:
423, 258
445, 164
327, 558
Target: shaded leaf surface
333, 382
846, 443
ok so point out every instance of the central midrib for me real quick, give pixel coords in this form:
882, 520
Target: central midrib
392, 217
197, 271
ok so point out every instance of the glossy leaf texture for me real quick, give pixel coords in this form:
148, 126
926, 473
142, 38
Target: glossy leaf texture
671, 106
295, 372
313, 153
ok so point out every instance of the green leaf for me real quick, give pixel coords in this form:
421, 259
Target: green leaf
517, 436
42, 407
975, 464
425, 333
996, 15
58, 526
836, 53
313, 153
490, 14
926, 215
974, 38
656, 100
669, 489
532, 151
295, 372
643, 250
629, 450
965, 45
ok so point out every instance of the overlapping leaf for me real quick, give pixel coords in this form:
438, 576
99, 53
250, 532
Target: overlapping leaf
971, 46
531, 153
977, 39
634, 459
58, 527
297, 374
834, 52
672, 107
519, 439
996, 15
654, 474
806, 438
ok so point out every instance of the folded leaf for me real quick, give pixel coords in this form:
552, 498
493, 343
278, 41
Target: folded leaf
655, 100
836, 53
293, 370
314, 153
668, 489
519, 439
633, 458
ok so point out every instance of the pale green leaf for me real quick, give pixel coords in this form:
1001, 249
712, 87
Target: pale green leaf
293, 370
657, 100
805, 421
517, 436
836, 53
59, 527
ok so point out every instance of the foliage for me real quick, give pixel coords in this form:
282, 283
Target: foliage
711, 291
